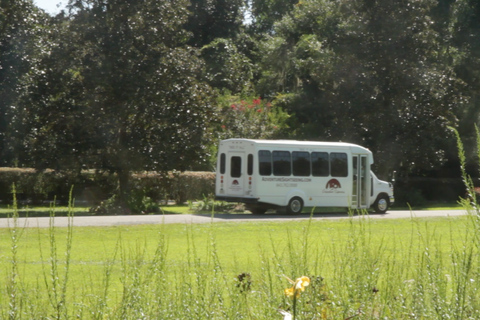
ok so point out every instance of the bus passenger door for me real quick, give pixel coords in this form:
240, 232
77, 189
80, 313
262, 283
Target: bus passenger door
235, 174
360, 189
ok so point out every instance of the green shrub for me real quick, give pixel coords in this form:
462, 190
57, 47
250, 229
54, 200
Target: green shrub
210, 204
36, 187
191, 185
94, 188
137, 203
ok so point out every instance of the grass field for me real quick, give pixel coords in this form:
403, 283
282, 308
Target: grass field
359, 269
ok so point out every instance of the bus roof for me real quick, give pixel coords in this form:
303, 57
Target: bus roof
285, 143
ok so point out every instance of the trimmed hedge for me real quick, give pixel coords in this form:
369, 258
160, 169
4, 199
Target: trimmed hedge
177, 186
90, 187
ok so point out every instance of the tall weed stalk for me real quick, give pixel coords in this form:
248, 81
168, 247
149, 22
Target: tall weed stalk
13, 287
465, 258
56, 280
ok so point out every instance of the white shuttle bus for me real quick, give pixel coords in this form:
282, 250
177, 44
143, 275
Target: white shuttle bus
272, 174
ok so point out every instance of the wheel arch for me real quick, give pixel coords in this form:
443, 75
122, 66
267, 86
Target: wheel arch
294, 193
381, 195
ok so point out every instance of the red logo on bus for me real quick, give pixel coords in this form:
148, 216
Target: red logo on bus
235, 182
333, 184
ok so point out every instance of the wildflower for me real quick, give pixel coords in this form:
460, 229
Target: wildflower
234, 107
286, 315
298, 286
257, 101
289, 292
244, 282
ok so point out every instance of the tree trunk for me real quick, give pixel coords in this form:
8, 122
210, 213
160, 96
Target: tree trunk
123, 186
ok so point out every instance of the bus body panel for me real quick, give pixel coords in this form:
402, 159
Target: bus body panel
322, 174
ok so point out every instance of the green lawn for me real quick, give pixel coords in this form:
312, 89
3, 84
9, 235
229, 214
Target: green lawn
370, 269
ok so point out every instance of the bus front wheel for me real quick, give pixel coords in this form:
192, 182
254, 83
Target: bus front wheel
381, 204
295, 205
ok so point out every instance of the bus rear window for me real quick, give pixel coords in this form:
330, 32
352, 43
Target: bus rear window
222, 163
250, 164
282, 163
236, 167
338, 164
265, 162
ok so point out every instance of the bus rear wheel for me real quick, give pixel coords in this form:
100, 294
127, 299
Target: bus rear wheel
295, 205
381, 204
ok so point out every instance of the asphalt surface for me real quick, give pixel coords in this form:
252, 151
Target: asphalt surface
105, 221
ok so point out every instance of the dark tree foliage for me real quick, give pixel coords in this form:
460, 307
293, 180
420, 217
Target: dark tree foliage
19, 21
465, 56
227, 67
265, 13
53, 118
212, 19
368, 72
120, 92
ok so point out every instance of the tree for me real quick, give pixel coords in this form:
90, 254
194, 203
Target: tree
217, 29
464, 50
226, 67
250, 118
18, 51
266, 12
57, 130
212, 19
127, 94
369, 72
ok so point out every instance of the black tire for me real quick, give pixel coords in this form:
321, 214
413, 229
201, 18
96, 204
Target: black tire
381, 204
295, 205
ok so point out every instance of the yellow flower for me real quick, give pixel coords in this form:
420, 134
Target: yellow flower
298, 286
301, 283
289, 292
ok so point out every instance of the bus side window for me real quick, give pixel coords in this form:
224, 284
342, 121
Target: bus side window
250, 164
301, 163
222, 163
265, 162
320, 164
282, 163
236, 167
338, 164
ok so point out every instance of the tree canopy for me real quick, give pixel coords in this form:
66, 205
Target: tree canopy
122, 86
120, 91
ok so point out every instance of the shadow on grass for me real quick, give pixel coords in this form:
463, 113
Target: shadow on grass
63, 211
43, 212
428, 206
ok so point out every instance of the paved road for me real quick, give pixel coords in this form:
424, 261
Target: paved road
103, 221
